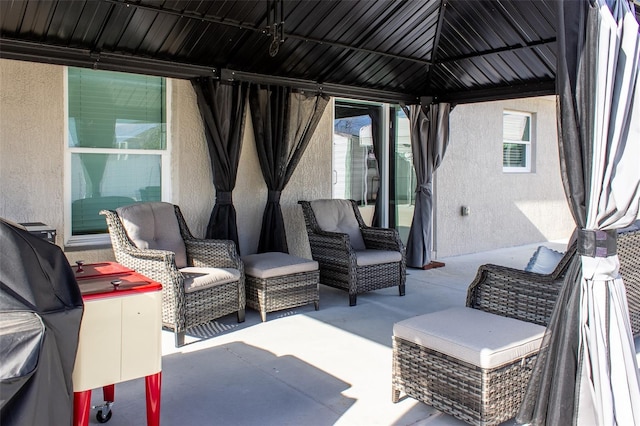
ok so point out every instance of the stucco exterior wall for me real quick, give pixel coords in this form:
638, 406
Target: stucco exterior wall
32, 162
191, 184
506, 209
193, 188
31, 148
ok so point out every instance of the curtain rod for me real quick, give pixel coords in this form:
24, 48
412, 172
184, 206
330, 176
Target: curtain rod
331, 89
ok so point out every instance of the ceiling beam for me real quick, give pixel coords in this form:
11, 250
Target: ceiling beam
252, 27
436, 39
513, 48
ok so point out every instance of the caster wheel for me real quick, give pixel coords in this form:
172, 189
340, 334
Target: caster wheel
103, 418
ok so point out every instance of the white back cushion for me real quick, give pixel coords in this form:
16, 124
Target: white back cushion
154, 226
544, 260
338, 216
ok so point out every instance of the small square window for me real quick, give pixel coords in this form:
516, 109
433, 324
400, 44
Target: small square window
516, 142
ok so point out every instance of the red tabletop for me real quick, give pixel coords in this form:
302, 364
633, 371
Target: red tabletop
98, 269
108, 279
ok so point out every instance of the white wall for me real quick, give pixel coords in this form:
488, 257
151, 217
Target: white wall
32, 157
506, 209
31, 143
250, 194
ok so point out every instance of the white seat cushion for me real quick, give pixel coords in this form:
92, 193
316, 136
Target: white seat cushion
276, 264
154, 226
338, 216
376, 257
477, 337
196, 278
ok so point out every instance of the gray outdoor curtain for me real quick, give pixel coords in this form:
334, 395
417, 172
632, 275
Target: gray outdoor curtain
429, 131
586, 372
283, 123
222, 110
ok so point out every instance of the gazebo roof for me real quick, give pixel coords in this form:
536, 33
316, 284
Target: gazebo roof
454, 50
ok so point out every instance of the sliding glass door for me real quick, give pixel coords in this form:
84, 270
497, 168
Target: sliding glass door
357, 144
372, 162
402, 194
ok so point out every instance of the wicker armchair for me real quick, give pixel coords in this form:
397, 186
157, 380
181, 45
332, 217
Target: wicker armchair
201, 279
514, 293
351, 255
530, 297
480, 395
492, 396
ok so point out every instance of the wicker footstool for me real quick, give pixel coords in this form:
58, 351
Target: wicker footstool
465, 362
276, 281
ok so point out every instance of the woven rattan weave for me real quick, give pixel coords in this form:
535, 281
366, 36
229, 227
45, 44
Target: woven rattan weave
283, 292
529, 296
629, 255
182, 310
475, 395
490, 397
337, 259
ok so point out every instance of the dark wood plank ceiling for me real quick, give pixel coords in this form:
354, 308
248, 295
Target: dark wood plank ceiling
394, 50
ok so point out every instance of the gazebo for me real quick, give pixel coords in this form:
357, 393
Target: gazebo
425, 55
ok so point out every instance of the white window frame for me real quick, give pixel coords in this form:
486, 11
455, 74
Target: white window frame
527, 144
92, 240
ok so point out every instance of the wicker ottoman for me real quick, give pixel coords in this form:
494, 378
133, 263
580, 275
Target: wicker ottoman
465, 362
276, 281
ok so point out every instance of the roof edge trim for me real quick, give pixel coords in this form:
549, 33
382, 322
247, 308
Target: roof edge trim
525, 90
84, 58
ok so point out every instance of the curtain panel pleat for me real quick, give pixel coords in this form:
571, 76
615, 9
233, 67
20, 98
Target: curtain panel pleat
429, 132
586, 371
283, 123
222, 107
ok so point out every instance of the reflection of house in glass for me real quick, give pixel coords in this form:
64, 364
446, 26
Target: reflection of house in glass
361, 157
134, 175
404, 173
355, 167
137, 135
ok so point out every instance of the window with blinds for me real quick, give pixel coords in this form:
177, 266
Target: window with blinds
516, 145
116, 145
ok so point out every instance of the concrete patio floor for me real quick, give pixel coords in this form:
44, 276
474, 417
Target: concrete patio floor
305, 367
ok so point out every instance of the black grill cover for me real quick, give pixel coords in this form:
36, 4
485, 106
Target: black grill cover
40, 313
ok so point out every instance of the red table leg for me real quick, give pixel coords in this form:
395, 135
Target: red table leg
109, 393
152, 387
81, 407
